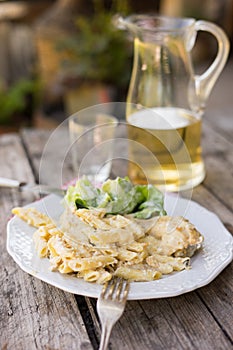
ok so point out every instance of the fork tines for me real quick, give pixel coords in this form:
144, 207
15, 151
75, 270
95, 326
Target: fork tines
115, 289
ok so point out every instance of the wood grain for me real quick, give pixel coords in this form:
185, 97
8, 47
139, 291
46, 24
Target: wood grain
220, 104
198, 320
33, 315
218, 157
50, 168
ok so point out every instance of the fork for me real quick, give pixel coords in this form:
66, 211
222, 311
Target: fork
110, 307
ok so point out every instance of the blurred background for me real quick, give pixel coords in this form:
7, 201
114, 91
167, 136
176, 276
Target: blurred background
60, 56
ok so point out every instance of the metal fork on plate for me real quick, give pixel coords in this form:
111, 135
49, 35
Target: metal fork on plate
110, 307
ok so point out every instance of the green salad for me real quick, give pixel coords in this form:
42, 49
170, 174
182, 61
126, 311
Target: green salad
117, 196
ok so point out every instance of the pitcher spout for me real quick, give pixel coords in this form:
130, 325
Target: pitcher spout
151, 26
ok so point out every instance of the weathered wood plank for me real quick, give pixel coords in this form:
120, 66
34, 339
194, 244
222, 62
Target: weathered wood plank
31, 142
33, 315
219, 109
50, 167
182, 322
218, 296
218, 157
216, 195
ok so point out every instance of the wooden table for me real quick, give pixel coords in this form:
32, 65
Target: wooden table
35, 315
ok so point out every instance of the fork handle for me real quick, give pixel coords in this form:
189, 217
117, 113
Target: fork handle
106, 332
4, 182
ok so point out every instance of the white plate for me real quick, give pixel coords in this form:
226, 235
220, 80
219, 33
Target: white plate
216, 254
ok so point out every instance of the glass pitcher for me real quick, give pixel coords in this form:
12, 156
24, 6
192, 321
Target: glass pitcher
166, 100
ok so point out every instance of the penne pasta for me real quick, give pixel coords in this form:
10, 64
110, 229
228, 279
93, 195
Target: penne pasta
96, 247
40, 244
32, 216
137, 273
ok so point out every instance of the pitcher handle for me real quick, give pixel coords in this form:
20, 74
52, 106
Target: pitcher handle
205, 82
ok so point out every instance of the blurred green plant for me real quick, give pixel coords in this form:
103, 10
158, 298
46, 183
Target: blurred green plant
15, 99
99, 51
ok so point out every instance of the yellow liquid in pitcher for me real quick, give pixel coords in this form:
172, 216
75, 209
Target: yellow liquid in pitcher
166, 148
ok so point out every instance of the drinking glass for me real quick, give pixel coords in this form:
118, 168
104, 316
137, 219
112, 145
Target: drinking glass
92, 140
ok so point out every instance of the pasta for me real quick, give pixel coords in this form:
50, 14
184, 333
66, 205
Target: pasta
95, 247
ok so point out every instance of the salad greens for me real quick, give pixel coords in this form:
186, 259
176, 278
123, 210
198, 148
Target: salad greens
117, 196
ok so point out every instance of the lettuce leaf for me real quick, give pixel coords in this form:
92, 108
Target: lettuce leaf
124, 196
153, 202
117, 196
85, 195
